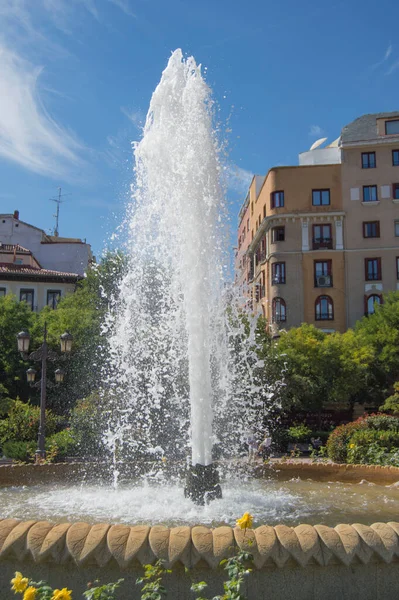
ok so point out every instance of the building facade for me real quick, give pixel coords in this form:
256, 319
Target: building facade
324, 242
23, 276
70, 255
370, 191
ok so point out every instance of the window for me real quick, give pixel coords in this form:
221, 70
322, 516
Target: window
324, 309
264, 211
2, 292
278, 273
278, 234
323, 273
27, 296
395, 158
247, 224
370, 193
396, 228
371, 301
371, 229
320, 197
395, 191
391, 127
279, 310
252, 208
277, 199
53, 297
368, 160
322, 237
373, 269
397, 267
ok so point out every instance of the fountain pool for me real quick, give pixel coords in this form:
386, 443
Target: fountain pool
150, 503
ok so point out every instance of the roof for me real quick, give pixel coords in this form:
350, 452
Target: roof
364, 128
27, 272
14, 247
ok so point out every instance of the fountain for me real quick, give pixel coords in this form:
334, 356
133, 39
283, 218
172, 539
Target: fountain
168, 340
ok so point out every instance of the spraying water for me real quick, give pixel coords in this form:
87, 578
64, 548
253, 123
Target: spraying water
168, 336
170, 385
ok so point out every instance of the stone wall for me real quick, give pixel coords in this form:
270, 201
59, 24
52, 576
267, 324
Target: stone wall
353, 562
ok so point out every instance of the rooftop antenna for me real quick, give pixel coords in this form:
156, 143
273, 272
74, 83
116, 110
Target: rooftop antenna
58, 201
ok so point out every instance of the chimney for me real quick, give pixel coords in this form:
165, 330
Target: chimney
16, 215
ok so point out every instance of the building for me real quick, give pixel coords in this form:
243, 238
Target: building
22, 275
370, 191
244, 238
68, 255
324, 235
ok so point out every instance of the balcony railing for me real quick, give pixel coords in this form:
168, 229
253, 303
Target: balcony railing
325, 243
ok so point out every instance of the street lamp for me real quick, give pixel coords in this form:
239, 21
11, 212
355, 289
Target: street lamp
66, 342
43, 354
23, 341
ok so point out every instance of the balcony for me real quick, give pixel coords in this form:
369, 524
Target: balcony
322, 244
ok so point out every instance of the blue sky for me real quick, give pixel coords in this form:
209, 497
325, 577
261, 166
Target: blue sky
76, 77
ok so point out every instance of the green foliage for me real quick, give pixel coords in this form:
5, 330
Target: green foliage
371, 446
382, 422
153, 589
63, 444
87, 426
23, 423
391, 404
20, 451
14, 316
102, 592
299, 433
237, 567
322, 369
337, 443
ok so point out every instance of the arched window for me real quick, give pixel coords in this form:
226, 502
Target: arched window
279, 310
324, 309
371, 302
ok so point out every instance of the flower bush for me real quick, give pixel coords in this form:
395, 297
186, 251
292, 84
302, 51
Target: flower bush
373, 439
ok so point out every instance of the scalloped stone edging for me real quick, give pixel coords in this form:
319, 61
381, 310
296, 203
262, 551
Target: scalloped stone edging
279, 546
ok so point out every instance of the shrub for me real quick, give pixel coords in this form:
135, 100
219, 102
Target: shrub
374, 447
63, 444
382, 422
23, 423
338, 440
391, 404
299, 433
18, 450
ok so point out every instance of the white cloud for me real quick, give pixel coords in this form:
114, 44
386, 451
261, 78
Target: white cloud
124, 5
393, 68
238, 179
137, 117
29, 136
387, 54
315, 131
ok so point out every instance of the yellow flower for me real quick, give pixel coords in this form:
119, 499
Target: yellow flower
163, 459
245, 521
19, 583
351, 446
30, 593
63, 594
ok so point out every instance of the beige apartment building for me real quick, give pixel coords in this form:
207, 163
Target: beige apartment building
370, 192
324, 235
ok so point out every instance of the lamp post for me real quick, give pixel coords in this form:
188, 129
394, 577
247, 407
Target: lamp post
43, 354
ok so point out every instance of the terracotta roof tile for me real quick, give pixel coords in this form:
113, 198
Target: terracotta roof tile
12, 269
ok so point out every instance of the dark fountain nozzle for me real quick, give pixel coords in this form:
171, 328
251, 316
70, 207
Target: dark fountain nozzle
202, 484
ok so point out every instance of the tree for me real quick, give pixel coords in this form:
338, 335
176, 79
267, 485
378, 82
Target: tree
321, 368
14, 317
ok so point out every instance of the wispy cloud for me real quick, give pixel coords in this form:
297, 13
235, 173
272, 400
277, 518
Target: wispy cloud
29, 136
124, 5
393, 68
386, 56
137, 117
238, 179
315, 131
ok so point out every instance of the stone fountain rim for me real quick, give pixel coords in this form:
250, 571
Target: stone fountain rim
275, 547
